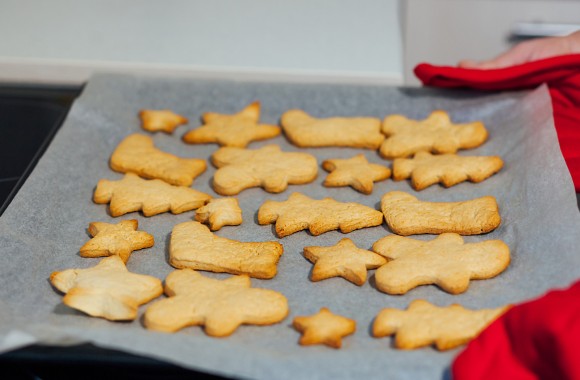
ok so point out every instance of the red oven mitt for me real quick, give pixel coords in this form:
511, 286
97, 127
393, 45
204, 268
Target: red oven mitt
539, 339
561, 74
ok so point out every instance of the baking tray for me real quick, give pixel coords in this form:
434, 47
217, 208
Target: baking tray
43, 228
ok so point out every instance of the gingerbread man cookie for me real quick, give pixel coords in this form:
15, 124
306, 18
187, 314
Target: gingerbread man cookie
267, 167
219, 305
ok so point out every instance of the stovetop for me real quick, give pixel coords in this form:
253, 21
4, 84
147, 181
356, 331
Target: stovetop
29, 119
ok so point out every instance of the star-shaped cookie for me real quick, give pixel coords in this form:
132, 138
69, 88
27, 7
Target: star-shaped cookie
119, 239
423, 324
344, 259
161, 120
356, 172
220, 212
219, 305
324, 327
236, 130
435, 134
107, 290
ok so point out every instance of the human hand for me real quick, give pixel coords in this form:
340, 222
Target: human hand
529, 51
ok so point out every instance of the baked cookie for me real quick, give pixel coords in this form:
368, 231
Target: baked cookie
151, 196
137, 154
107, 290
344, 259
119, 239
300, 212
423, 324
304, 130
445, 261
435, 134
355, 172
220, 212
267, 167
426, 169
236, 130
161, 120
406, 215
324, 327
193, 246
219, 305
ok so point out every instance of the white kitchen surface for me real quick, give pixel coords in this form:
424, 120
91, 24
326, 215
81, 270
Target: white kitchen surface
64, 41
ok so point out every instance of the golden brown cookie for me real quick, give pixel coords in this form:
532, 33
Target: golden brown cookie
137, 154
119, 239
236, 130
107, 290
194, 246
435, 134
423, 324
151, 196
356, 172
445, 261
219, 305
220, 212
267, 167
406, 215
161, 120
426, 169
324, 327
344, 259
304, 131
300, 212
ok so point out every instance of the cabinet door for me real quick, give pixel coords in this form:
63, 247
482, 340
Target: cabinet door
444, 32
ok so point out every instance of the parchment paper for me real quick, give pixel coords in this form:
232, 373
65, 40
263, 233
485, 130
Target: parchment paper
47, 222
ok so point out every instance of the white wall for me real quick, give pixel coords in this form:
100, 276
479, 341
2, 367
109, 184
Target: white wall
65, 40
